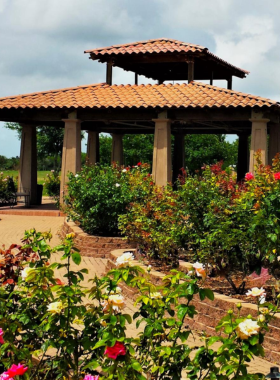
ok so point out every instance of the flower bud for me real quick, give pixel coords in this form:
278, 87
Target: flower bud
239, 305
249, 316
230, 311
261, 318
278, 297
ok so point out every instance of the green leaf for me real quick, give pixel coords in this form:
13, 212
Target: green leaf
76, 257
209, 294
136, 366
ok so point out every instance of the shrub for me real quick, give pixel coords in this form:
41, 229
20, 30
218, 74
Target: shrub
52, 184
74, 331
98, 195
7, 189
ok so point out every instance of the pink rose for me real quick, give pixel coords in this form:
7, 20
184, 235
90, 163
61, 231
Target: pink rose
277, 176
16, 370
5, 376
91, 377
1, 336
249, 176
115, 351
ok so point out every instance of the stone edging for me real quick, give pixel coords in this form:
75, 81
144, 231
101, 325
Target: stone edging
210, 312
93, 246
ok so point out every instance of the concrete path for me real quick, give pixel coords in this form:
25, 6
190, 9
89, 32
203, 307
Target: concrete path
12, 229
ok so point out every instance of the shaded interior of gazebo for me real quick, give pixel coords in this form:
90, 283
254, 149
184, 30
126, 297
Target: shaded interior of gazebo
161, 109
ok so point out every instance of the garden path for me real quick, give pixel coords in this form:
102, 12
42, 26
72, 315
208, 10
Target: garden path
12, 229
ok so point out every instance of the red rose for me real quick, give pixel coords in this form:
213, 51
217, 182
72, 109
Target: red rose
115, 351
249, 176
16, 370
139, 164
277, 176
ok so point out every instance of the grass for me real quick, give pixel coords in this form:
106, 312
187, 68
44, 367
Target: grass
40, 176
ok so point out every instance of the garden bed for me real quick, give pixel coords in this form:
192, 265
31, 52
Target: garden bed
93, 246
210, 312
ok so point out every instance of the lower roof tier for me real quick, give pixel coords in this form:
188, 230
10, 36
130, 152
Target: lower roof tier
163, 96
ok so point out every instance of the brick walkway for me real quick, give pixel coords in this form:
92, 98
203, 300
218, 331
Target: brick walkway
12, 228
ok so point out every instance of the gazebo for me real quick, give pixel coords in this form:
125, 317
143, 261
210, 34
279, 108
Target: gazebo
162, 109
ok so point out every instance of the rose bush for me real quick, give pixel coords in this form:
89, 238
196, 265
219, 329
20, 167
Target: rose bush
68, 329
98, 195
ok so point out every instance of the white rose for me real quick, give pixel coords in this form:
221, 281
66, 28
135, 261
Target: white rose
256, 292
124, 259
124, 170
55, 307
156, 296
118, 185
247, 328
25, 272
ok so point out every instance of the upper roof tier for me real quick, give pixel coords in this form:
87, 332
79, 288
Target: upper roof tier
167, 59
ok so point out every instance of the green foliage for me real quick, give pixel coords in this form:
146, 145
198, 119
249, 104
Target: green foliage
52, 184
7, 189
71, 329
98, 195
201, 150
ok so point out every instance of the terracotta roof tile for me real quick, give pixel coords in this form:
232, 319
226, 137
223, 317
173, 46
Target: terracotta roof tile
159, 45
195, 94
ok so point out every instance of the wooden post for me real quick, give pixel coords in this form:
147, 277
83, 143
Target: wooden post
136, 79
274, 142
258, 140
211, 79
190, 63
178, 155
243, 156
71, 154
117, 148
93, 147
27, 179
109, 73
229, 83
162, 152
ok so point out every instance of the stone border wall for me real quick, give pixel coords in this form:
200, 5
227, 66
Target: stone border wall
93, 246
210, 312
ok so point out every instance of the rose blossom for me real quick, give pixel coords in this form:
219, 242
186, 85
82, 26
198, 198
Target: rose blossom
16, 370
247, 328
249, 176
5, 376
156, 296
118, 290
55, 307
1, 336
124, 259
256, 292
199, 270
91, 377
118, 185
115, 351
26, 272
276, 176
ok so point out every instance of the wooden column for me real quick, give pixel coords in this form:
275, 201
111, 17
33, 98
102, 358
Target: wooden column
27, 180
229, 83
162, 152
136, 78
258, 140
109, 73
178, 155
71, 154
274, 142
190, 70
117, 148
243, 156
93, 147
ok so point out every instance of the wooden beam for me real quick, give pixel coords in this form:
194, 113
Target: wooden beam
109, 72
211, 79
136, 79
229, 83
190, 70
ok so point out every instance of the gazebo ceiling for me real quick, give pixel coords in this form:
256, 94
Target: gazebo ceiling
194, 95
166, 59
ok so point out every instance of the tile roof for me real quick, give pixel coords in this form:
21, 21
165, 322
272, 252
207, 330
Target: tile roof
159, 45
100, 96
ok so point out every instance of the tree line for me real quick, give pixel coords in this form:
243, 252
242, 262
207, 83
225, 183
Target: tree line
199, 149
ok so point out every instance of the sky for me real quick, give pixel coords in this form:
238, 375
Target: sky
42, 43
